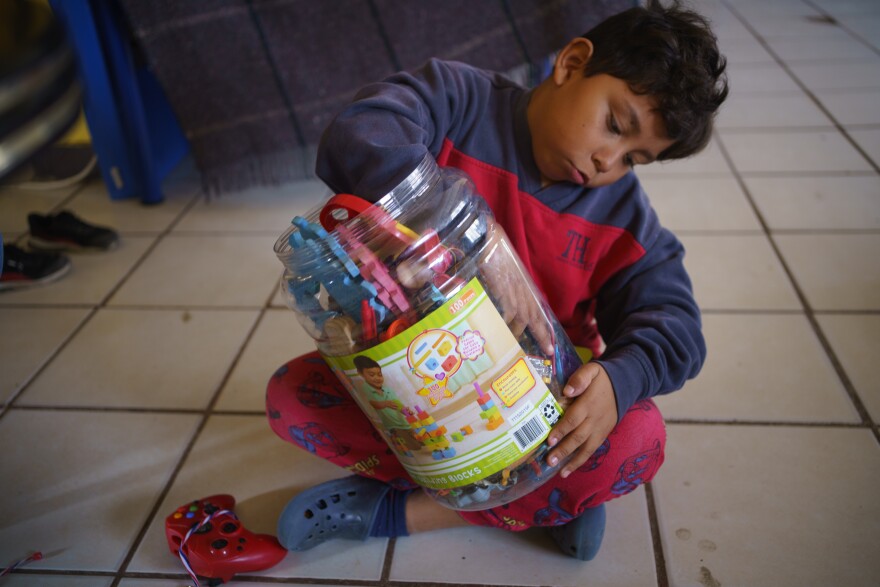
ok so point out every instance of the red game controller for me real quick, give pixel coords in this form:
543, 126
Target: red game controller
212, 543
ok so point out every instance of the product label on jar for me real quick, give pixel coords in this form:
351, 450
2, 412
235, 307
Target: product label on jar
454, 395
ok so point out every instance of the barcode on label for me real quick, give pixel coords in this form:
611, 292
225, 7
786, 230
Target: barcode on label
530, 432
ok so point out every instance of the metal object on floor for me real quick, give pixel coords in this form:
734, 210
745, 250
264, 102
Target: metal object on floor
40, 97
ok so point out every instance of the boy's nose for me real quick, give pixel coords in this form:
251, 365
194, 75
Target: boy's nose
607, 159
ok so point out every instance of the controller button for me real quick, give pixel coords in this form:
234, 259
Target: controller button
218, 544
177, 515
211, 508
193, 508
204, 529
239, 549
229, 527
190, 515
242, 540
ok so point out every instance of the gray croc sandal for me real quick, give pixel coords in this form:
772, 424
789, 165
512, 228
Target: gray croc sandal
342, 508
582, 537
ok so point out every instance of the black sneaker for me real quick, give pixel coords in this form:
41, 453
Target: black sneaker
24, 269
66, 232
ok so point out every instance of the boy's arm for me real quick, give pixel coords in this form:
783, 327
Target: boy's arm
651, 324
380, 137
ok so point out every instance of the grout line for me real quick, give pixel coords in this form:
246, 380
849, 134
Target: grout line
750, 312
111, 409
9, 403
821, 10
389, 559
766, 423
94, 308
149, 251
656, 538
797, 80
793, 173
206, 415
850, 389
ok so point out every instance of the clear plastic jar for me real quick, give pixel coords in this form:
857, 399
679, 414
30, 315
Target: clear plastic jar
409, 301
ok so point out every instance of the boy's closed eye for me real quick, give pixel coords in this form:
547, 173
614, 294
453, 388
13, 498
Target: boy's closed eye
615, 129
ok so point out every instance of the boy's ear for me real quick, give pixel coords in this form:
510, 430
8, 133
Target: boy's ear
572, 59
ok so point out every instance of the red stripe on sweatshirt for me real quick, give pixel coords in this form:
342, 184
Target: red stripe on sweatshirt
569, 258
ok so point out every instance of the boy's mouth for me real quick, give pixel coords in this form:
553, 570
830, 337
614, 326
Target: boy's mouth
578, 177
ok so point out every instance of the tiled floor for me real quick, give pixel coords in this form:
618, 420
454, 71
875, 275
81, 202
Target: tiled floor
135, 383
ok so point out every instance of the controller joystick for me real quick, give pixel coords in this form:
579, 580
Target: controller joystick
212, 543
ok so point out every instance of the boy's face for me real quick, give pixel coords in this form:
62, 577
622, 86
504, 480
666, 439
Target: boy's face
373, 376
591, 130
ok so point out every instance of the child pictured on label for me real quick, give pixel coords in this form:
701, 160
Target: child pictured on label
384, 401
555, 165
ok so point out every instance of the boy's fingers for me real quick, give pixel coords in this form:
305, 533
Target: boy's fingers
580, 380
565, 438
580, 457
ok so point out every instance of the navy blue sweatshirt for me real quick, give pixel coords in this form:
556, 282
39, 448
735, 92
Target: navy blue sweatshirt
599, 255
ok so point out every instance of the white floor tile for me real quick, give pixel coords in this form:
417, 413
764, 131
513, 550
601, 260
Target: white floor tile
762, 368
769, 111
869, 141
204, 271
697, 203
856, 341
729, 29
737, 273
853, 107
92, 277
836, 271
78, 485
28, 338
17, 580
803, 23
864, 25
127, 216
241, 456
763, 78
793, 151
278, 338
488, 556
838, 76
837, 46
776, 12
144, 359
268, 209
849, 7
769, 507
744, 51
708, 162
814, 203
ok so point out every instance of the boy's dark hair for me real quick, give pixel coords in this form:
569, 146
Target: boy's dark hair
669, 53
361, 362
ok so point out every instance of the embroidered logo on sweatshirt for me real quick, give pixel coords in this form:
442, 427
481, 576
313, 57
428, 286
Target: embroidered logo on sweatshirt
575, 252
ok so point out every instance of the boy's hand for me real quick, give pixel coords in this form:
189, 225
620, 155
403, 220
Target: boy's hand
588, 420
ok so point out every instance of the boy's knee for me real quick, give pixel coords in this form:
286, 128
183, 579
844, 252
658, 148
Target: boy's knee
641, 442
296, 386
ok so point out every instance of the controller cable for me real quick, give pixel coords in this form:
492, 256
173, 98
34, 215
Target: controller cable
34, 557
192, 531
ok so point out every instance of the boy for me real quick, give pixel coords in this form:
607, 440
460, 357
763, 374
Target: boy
385, 402
554, 164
